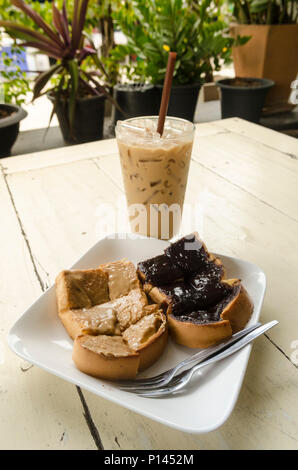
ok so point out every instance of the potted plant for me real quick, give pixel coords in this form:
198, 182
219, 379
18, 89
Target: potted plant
14, 87
77, 93
272, 50
193, 29
10, 117
243, 97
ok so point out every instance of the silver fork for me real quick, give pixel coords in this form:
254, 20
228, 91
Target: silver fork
165, 377
183, 379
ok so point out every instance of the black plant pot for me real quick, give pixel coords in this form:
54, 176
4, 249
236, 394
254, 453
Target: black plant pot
135, 100
183, 100
9, 127
243, 97
88, 119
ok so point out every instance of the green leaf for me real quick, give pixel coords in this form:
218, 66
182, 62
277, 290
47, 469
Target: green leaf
43, 79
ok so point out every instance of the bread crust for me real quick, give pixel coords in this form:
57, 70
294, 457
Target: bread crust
233, 318
101, 366
193, 335
121, 367
154, 347
72, 326
240, 309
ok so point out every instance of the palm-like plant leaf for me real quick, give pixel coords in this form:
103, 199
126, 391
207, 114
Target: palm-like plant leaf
78, 20
28, 34
61, 24
43, 79
38, 20
50, 51
67, 46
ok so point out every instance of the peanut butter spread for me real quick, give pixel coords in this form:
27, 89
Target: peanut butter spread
81, 288
130, 308
100, 319
122, 278
108, 311
108, 346
139, 333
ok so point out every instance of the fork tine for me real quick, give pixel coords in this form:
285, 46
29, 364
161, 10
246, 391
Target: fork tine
167, 376
151, 388
126, 384
164, 391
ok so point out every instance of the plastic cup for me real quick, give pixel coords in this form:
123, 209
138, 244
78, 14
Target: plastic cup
155, 170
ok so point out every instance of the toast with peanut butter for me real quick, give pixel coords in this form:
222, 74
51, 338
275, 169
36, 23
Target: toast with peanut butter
122, 278
106, 312
81, 288
122, 357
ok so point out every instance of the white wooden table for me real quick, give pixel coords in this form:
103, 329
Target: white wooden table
246, 179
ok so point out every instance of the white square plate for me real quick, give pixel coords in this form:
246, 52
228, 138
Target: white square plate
39, 337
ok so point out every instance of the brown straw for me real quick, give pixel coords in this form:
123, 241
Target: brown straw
166, 92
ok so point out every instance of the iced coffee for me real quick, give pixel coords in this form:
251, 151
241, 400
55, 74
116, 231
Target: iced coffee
155, 171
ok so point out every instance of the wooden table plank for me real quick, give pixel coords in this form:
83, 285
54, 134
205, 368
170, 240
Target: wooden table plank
267, 174
28, 395
59, 156
272, 139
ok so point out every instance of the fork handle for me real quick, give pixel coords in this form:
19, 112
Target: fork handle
236, 346
206, 353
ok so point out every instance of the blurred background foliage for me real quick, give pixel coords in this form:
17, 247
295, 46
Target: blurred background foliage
195, 29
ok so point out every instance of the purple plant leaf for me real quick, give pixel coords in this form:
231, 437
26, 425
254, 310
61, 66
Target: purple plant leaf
22, 32
60, 24
74, 26
38, 20
51, 52
78, 21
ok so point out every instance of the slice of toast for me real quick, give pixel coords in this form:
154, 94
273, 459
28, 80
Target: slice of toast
100, 319
183, 259
148, 337
191, 256
81, 288
96, 307
130, 308
122, 357
201, 329
159, 271
107, 357
122, 278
